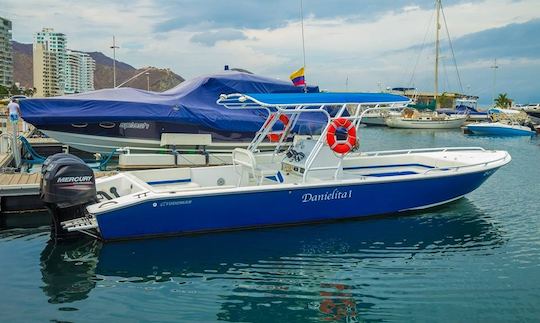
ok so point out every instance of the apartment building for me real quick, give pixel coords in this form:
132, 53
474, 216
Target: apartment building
6, 54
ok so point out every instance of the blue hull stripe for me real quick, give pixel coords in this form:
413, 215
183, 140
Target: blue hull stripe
388, 166
173, 181
391, 174
282, 207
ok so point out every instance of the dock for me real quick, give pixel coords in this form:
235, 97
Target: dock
19, 198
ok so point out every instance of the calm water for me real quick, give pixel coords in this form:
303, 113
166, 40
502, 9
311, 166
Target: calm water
477, 259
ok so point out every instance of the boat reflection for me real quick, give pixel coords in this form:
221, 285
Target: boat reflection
294, 264
69, 270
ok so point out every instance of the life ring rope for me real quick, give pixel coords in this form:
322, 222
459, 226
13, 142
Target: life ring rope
341, 147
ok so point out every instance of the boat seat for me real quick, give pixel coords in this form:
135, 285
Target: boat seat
245, 161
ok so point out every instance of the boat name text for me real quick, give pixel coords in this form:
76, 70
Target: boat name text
134, 125
326, 196
172, 203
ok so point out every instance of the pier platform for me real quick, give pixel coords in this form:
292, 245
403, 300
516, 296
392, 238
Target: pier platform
19, 198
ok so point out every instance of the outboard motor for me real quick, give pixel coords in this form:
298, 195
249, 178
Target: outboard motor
67, 186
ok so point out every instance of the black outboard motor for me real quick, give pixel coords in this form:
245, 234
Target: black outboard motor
67, 186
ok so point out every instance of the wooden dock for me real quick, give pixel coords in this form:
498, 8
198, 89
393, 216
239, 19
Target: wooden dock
19, 199
19, 184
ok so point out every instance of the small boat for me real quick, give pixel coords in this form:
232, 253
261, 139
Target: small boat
499, 129
326, 178
504, 122
413, 119
468, 107
377, 117
533, 110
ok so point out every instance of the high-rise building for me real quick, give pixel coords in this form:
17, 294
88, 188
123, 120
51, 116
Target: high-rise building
45, 72
88, 66
49, 62
6, 55
79, 73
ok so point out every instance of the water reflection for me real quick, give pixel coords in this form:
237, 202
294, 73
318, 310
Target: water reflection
69, 270
320, 271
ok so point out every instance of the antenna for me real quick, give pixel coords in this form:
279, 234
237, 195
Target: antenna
437, 41
494, 67
114, 47
303, 41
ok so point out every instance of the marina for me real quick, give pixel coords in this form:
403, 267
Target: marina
472, 249
147, 203
322, 163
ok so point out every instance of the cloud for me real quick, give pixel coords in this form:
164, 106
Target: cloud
272, 14
510, 41
368, 41
210, 38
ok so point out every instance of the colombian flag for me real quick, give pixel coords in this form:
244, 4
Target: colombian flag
298, 78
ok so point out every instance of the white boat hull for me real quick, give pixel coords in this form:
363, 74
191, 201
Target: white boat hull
406, 123
105, 145
499, 129
374, 120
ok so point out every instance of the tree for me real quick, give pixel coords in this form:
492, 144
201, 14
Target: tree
502, 101
29, 92
14, 89
3, 92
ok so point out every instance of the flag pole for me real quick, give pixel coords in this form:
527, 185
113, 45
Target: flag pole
303, 40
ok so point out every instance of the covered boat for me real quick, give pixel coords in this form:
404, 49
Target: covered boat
466, 107
316, 179
105, 120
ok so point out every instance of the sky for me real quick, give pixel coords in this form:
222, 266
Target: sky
355, 45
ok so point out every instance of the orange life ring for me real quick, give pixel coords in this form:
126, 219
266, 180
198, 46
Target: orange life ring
349, 143
276, 135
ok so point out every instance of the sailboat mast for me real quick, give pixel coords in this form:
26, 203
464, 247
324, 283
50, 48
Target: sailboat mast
437, 28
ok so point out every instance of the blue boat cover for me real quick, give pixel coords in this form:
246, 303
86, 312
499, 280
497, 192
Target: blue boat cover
192, 102
333, 98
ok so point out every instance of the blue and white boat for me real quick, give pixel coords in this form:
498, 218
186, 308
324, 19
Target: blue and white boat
467, 107
106, 120
505, 123
317, 179
499, 129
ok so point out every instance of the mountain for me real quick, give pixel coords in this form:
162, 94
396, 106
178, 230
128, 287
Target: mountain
160, 79
22, 64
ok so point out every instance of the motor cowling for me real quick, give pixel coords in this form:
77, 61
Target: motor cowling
67, 186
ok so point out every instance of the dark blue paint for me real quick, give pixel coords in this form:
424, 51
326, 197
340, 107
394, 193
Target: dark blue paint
391, 174
499, 131
389, 166
173, 181
237, 210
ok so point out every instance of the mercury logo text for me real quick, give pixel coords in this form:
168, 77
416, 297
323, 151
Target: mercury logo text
74, 179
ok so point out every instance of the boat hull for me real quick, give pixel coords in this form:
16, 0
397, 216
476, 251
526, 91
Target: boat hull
105, 144
285, 206
424, 124
499, 130
534, 116
374, 120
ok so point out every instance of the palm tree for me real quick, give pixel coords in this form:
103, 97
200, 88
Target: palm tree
502, 101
